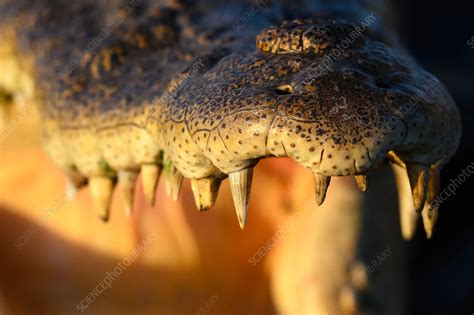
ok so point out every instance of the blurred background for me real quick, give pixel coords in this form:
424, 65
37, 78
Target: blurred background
170, 259
438, 34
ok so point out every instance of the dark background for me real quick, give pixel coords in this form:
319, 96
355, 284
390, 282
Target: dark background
442, 270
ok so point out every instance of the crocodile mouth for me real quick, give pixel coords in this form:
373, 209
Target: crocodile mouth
142, 102
372, 108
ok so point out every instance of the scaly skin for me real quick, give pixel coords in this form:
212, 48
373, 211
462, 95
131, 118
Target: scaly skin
167, 82
205, 95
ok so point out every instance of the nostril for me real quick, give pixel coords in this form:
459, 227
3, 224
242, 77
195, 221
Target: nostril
284, 89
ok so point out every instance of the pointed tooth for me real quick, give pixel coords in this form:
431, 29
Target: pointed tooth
173, 182
430, 217
430, 210
408, 217
418, 175
150, 175
321, 184
127, 181
205, 191
394, 158
240, 184
71, 191
362, 182
101, 188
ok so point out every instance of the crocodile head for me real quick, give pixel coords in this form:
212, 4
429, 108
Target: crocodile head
167, 90
204, 90
336, 100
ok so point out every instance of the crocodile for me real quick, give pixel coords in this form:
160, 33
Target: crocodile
205, 89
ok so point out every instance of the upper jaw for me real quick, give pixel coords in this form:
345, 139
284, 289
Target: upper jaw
334, 115
335, 111
370, 106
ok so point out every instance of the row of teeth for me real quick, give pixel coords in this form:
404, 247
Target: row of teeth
417, 185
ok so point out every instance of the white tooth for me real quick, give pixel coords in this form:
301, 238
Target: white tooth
127, 182
71, 191
362, 182
101, 188
321, 184
394, 158
430, 217
240, 184
408, 216
173, 180
430, 210
418, 175
205, 191
150, 174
